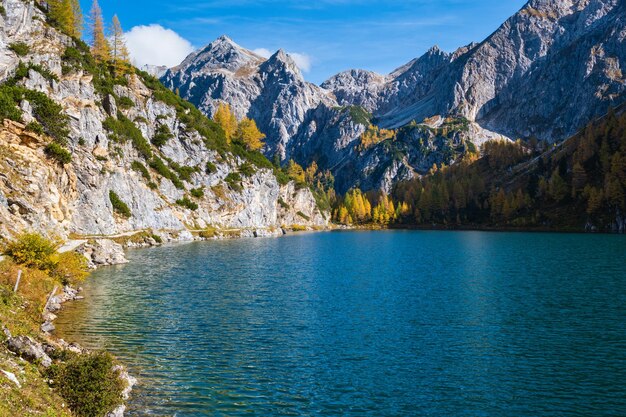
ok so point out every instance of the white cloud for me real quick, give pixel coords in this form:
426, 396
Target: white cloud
155, 45
303, 61
265, 53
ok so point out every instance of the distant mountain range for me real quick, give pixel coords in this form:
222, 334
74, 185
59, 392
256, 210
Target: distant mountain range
545, 73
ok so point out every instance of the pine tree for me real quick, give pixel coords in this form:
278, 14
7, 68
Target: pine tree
119, 51
250, 135
99, 47
227, 121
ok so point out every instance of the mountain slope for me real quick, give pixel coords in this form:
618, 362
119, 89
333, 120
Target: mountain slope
83, 140
518, 82
577, 185
272, 92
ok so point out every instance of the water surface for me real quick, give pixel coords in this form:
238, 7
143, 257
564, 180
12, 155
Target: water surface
390, 323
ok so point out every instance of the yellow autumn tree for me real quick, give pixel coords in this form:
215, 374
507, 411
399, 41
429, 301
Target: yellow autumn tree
61, 12
78, 19
310, 173
119, 51
374, 135
227, 120
358, 206
295, 171
99, 47
250, 135
384, 212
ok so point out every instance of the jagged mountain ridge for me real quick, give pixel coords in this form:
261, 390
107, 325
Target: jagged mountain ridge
516, 83
39, 193
518, 80
270, 91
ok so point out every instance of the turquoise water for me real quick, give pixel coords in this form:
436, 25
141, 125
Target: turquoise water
391, 323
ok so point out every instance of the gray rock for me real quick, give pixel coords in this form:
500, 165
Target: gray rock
47, 327
29, 349
102, 252
11, 377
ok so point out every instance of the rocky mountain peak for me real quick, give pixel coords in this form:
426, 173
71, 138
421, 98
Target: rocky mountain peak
281, 64
221, 54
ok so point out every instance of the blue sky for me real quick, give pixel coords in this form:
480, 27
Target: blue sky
330, 35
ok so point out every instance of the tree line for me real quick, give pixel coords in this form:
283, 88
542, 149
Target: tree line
108, 45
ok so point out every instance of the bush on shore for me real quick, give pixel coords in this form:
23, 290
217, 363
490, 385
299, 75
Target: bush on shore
90, 384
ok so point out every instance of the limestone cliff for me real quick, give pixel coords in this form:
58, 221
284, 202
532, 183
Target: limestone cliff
191, 181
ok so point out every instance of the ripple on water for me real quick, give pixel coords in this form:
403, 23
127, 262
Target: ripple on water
367, 324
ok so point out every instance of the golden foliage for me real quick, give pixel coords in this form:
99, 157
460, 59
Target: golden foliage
250, 135
225, 117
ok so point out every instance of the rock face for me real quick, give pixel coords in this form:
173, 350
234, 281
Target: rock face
36, 192
546, 72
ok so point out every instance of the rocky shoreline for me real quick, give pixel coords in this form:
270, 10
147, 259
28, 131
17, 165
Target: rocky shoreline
31, 350
107, 251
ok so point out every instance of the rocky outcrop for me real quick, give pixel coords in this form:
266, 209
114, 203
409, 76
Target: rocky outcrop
38, 193
29, 349
102, 252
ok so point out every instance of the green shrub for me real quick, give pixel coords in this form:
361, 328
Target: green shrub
157, 238
123, 129
49, 114
32, 250
281, 176
283, 204
186, 202
8, 106
125, 102
159, 166
20, 48
118, 205
183, 171
234, 181
210, 167
207, 233
45, 110
35, 128
3, 11
197, 192
58, 153
141, 168
246, 169
161, 136
304, 216
89, 384
22, 72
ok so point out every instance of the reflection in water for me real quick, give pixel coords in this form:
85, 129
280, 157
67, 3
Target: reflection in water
367, 324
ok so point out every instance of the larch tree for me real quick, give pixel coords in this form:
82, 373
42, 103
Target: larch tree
62, 13
227, 121
99, 45
78, 19
119, 51
250, 135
